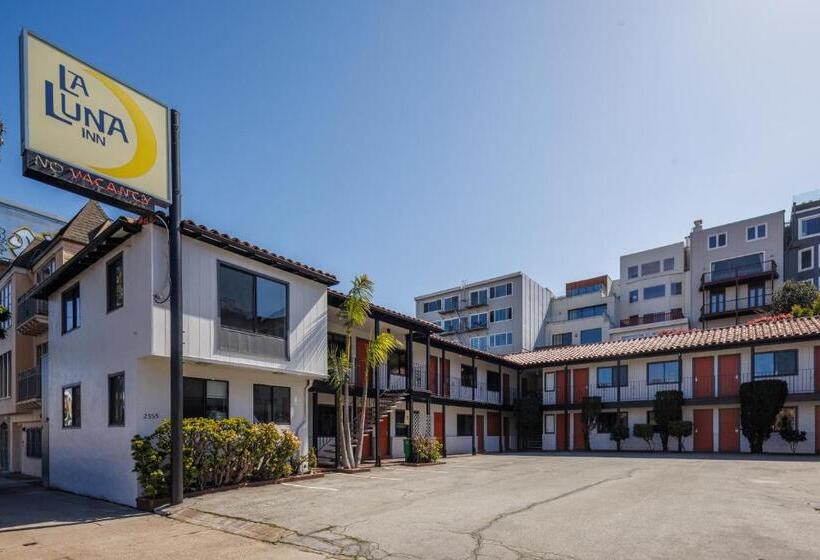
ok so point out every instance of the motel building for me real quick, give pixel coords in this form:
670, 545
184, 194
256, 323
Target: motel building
707, 366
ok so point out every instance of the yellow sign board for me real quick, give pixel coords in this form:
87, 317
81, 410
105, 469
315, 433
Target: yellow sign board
87, 132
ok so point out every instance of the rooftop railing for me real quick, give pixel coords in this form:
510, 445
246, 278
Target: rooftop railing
740, 273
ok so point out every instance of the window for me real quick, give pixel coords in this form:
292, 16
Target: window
34, 443
591, 289
451, 303
589, 336
464, 425
562, 339
71, 309
757, 294
549, 423
652, 292
478, 321
805, 259
271, 404
591, 311
116, 399
756, 232
478, 297
729, 268
808, 226
769, 364
669, 264
204, 398
501, 339
650, 268
251, 303
662, 372
717, 240
501, 290
493, 381
633, 296
431, 306
607, 421
5, 375
5, 301
468, 376
453, 325
478, 342
717, 301
114, 283
397, 363
549, 381
611, 376
46, 271
401, 423
675, 288
632, 271
71, 406
498, 315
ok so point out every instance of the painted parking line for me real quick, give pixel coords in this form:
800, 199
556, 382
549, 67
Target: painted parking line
293, 484
374, 477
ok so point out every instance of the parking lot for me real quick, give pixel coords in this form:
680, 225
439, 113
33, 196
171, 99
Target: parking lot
577, 506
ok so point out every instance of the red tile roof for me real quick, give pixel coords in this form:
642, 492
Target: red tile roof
785, 329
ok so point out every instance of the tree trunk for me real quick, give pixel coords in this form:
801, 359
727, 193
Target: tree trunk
362, 413
347, 434
342, 448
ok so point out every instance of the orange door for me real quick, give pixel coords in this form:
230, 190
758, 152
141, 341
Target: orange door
703, 369
704, 441
817, 369
445, 377
728, 375
367, 447
493, 424
361, 361
506, 423
438, 427
578, 431
580, 384
384, 437
729, 428
561, 432
479, 433
505, 388
432, 375
816, 428
560, 387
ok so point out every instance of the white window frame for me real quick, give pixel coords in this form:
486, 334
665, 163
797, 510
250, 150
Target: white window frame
755, 238
493, 311
549, 382
440, 306
800, 267
717, 241
478, 346
507, 339
470, 297
800, 226
494, 288
470, 319
547, 424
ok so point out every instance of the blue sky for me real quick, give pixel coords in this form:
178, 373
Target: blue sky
426, 143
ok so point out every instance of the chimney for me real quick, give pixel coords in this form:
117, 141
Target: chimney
698, 226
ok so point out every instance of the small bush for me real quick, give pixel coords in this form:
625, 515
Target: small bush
215, 453
680, 430
590, 412
620, 432
426, 450
646, 432
790, 434
668, 408
760, 403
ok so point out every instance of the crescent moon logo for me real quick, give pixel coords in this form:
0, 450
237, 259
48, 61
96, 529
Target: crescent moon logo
146, 153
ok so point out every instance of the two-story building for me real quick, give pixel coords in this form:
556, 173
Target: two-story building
254, 341
584, 314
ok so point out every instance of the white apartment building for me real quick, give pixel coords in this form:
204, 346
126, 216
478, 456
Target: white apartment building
584, 314
254, 341
500, 315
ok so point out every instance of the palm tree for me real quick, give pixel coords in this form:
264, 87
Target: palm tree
353, 314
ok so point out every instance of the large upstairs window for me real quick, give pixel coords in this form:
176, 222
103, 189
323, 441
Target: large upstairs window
71, 309
252, 303
591, 311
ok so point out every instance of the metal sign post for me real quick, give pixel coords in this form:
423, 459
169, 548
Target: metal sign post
175, 257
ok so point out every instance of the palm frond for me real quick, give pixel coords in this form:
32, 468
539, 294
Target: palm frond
356, 307
379, 350
338, 369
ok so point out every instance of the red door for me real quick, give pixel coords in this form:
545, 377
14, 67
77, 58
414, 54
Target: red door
493, 424
479, 433
817, 370
438, 427
577, 431
704, 442
816, 427
361, 361
432, 375
728, 375
703, 377
560, 387
384, 437
445, 377
580, 385
505, 387
561, 432
729, 428
367, 447
506, 423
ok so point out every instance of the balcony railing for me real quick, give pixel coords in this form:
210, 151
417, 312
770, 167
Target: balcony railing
28, 385
740, 273
748, 304
802, 382
32, 316
648, 318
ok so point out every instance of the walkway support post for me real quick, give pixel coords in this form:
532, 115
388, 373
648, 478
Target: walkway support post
175, 296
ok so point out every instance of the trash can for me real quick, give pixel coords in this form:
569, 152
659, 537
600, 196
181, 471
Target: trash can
408, 449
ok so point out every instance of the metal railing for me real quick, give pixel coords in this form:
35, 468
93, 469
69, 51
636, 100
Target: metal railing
28, 385
648, 318
740, 273
749, 303
28, 307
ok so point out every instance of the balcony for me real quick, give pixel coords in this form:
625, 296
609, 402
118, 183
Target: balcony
28, 389
763, 270
720, 308
649, 318
32, 316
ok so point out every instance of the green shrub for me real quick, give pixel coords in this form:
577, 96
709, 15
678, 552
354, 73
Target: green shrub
646, 432
590, 411
760, 403
668, 408
313, 458
793, 293
215, 453
620, 432
426, 450
680, 429
790, 434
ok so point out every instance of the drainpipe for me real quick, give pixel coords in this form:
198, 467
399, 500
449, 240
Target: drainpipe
618, 394
304, 423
